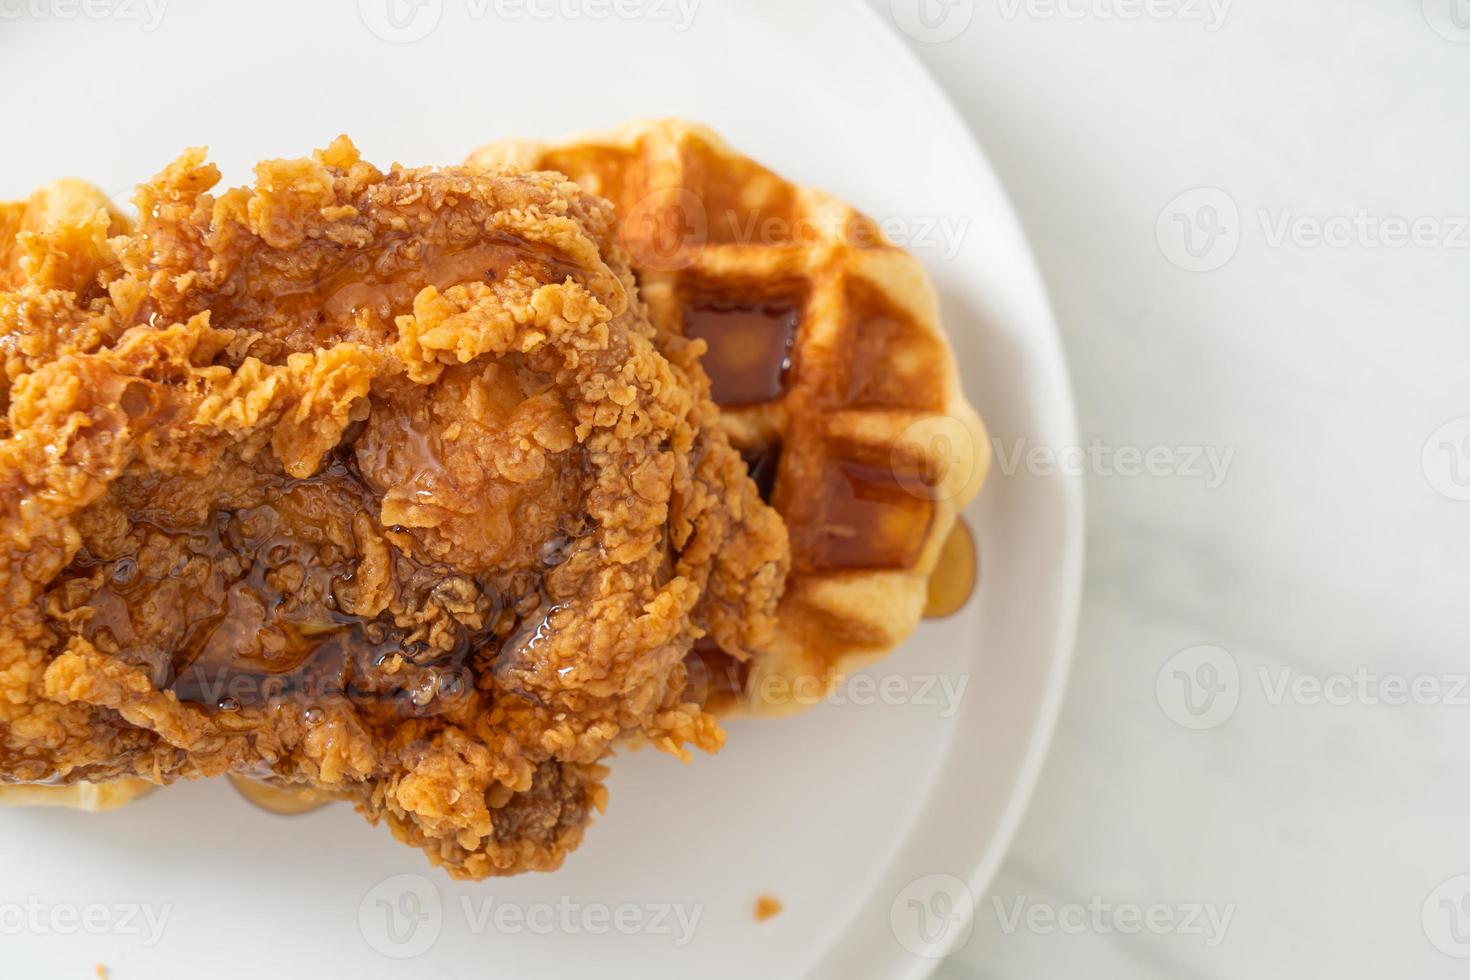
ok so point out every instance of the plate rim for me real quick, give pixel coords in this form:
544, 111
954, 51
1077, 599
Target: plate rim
1043, 731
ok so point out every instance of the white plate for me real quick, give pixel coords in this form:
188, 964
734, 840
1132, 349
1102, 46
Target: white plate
835, 812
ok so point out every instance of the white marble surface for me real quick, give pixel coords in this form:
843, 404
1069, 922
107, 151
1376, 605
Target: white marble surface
1322, 829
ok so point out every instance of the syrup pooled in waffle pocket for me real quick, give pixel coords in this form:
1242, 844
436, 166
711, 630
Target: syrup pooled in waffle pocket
834, 378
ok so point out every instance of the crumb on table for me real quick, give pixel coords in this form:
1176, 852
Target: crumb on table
766, 907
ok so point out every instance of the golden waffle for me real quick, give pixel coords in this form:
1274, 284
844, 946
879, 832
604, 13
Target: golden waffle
94, 797
834, 378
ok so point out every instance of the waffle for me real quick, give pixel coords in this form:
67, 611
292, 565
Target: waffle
93, 797
834, 377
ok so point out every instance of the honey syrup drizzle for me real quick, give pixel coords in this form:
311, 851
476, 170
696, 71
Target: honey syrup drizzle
274, 799
955, 574
750, 346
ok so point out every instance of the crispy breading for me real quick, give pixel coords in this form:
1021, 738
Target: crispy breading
377, 482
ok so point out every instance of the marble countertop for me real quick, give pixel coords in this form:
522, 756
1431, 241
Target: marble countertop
1253, 218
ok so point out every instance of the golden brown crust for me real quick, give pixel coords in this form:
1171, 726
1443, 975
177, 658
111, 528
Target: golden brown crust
376, 482
64, 200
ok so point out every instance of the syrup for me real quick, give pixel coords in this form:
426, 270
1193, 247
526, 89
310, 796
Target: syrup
750, 345
275, 799
955, 574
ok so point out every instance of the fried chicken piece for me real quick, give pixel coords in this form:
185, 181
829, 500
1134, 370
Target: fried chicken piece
61, 201
377, 483
67, 200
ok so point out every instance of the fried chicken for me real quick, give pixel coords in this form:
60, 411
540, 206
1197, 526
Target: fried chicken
380, 483
64, 200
